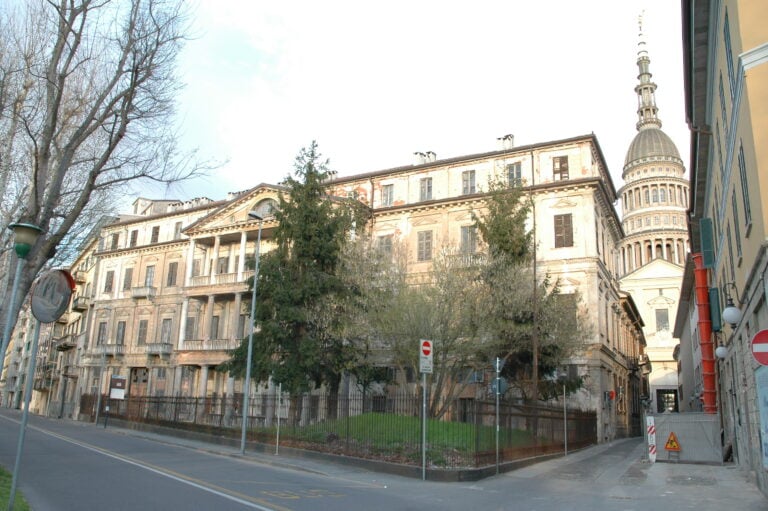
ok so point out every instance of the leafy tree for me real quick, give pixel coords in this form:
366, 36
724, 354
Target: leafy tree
300, 312
533, 325
87, 92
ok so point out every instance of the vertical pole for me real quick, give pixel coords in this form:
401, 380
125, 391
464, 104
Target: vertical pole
279, 406
565, 421
101, 384
9, 316
423, 426
249, 361
25, 414
497, 385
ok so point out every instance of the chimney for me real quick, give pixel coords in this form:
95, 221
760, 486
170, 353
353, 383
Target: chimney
431, 156
419, 158
506, 142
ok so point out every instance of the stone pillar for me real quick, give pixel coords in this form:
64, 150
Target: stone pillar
241, 259
202, 382
190, 263
183, 322
208, 319
215, 265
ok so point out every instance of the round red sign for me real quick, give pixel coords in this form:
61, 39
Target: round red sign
426, 347
760, 347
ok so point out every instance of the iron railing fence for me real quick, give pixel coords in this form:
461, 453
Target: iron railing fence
379, 427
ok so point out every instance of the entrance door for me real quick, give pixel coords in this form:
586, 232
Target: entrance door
139, 379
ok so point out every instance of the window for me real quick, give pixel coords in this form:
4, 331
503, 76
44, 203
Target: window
723, 109
196, 265
155, 234
655, 195
120, 334
736, 231
190, 328
177, 230
424, 251
468, 182
214, 327
241, 322
515, 174
101, 336
647, 196
165, 330
425, 188
744, 188
149, 278
563, 231
173, 270
109, 281
222, 265
729, 54
127, 279
384, 244
134, 237
387, 195
662, 195
141, 338
115, 240
468, 239
560, 168
662, 319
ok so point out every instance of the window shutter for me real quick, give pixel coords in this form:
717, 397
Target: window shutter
707, 242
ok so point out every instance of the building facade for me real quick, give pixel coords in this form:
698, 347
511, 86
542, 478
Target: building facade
726, 57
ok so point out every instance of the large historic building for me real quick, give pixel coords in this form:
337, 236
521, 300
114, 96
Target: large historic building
162, 294
654, 200
726, 57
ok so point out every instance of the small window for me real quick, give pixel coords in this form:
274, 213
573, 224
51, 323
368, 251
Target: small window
115, 241
190, 328
560, 168
662, 319
155, 234
387, 195
655, 195
222, 265
173, 270
149, 278
101, 336
120, 334
563, 231
515, 174
468, 239
425, 187
424, 250
141, 338
165, 330
196, 265
468, 182
177, 230
214, 327
134, 238
109, 281
384, 244
128, 279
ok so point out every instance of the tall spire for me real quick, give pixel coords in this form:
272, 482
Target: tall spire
646, 98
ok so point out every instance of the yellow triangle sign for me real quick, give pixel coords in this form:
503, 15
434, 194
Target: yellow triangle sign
672, 443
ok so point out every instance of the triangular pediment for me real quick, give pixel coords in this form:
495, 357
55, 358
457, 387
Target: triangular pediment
564, 202
234, 214
657, 269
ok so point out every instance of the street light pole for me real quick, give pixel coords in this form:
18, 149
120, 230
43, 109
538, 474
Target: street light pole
25, 236
246, 391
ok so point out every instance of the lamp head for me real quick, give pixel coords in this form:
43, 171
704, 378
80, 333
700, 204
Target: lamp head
25, 236
255, 215
731, 313
721, 352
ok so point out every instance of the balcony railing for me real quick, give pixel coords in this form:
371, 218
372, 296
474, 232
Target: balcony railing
81, 303
211, 345
220, 279
143, 292
159, 348
110, 349
65, 343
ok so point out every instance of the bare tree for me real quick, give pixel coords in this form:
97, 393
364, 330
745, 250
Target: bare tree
87, 91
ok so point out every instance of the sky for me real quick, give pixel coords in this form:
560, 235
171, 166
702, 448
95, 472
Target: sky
373, 82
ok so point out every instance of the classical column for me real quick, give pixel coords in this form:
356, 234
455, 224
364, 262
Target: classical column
190, 263
183, 322
208, 319
235, 315
241, 259
202, 382
215, 265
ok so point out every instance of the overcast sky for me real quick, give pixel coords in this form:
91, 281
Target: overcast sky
374, 82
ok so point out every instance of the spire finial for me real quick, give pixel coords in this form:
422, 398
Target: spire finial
645, 89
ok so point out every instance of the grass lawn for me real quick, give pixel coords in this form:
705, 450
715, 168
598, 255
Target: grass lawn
5, 489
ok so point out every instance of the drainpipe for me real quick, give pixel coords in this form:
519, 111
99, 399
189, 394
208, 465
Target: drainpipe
705, 335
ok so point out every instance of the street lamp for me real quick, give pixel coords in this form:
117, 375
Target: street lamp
731, 313
246, 391
25, 236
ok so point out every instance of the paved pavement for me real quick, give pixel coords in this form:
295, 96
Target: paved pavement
628, 481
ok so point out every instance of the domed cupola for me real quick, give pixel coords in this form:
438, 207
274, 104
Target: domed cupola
654, 197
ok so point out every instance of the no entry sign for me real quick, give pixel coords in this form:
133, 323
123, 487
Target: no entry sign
425, 356
760, 347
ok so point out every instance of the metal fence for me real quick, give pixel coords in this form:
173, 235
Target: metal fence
378, 427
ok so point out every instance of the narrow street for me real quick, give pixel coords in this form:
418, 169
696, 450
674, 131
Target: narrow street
74, 466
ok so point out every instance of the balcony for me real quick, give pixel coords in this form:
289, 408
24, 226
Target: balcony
211, 345
66, 318
159, 348
220, 279
65, 343
147, 292
80, 277
110, 350
81, 303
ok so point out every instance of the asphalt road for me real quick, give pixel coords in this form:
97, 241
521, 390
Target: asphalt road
75, 466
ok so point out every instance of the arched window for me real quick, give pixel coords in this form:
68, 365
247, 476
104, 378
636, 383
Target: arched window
663, 195
655, 195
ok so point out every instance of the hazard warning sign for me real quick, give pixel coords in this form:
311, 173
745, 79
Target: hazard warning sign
672, 443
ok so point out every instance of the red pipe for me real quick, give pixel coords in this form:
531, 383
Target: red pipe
705, 335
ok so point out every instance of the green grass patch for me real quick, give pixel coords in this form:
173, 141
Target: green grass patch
5, 491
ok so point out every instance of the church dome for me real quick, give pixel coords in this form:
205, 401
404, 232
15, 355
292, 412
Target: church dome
651, 142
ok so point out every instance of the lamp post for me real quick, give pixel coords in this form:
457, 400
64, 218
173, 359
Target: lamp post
25, 236
246, 391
